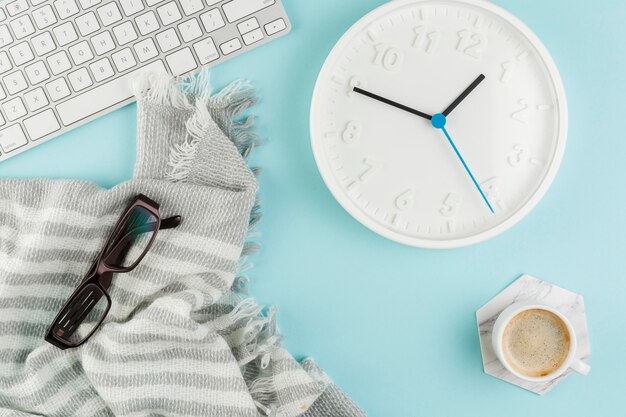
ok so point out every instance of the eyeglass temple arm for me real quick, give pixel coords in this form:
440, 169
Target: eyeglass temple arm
170, 222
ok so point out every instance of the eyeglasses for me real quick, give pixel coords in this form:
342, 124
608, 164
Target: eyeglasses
129, 242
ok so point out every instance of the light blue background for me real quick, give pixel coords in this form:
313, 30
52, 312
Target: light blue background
393, 325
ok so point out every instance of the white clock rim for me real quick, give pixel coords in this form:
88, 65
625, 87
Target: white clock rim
326, 170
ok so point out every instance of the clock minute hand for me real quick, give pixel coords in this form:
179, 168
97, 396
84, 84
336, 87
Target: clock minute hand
463, 95
439, 122
392, 103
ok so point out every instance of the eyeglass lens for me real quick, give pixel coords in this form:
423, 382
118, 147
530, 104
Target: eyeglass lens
82, 315
132, 239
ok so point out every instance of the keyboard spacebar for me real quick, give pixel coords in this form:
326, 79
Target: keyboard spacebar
103, 96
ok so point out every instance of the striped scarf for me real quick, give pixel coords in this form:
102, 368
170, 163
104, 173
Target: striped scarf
181, 338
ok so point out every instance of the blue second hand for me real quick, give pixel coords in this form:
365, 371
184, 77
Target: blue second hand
439, 121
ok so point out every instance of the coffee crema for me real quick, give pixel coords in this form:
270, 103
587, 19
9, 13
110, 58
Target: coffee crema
536, 342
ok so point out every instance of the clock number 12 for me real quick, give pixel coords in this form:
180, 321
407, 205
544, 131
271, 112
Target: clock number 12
471, 43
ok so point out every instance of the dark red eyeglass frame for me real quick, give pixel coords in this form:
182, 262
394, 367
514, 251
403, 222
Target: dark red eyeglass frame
101, 272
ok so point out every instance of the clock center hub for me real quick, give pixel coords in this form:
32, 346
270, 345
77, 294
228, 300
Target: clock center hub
438, 121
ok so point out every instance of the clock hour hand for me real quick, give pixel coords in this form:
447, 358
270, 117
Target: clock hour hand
463, 95
392, 103
439, 122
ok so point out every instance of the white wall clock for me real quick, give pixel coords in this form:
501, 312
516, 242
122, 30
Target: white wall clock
439, 123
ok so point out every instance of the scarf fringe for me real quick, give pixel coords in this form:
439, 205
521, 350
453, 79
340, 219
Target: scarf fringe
195, 94
256, 323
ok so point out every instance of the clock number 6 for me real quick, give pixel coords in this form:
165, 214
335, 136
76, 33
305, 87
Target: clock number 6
389, 58
404, 201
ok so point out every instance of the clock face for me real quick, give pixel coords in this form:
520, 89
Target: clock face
445, 181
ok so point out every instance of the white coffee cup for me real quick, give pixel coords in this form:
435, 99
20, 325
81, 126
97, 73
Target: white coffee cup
571, 361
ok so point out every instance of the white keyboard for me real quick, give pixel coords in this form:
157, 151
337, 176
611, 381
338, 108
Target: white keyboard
66, 62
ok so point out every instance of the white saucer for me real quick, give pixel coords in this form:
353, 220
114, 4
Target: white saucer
528, 288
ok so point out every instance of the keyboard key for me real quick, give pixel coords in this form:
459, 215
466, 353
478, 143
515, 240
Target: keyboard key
3, 15
103, 96
103, 43
41, 124
248, 25
181, 62
37, 72
85, 4
11, 138
36, 99
44, 17
252, 37
169, 13
2, 95
102, 69
80, 53
22, 27
206, 51
146, 50
58, 62
65, 33
80, 79
21, 53
17, 7
131, 7
191, 6
147, 23
5, 36
15, 82
58, 89
124, 33
190, 30
168, 40
66, 8
275, 27
109, 14
230, 46
87, 24
5, 62
14, 109
2, 121
43, 43
238, 9
212, 20
124, 59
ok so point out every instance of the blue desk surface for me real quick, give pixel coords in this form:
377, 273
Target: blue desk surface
393, 325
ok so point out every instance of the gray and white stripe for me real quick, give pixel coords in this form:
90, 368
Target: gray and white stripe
177, 341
